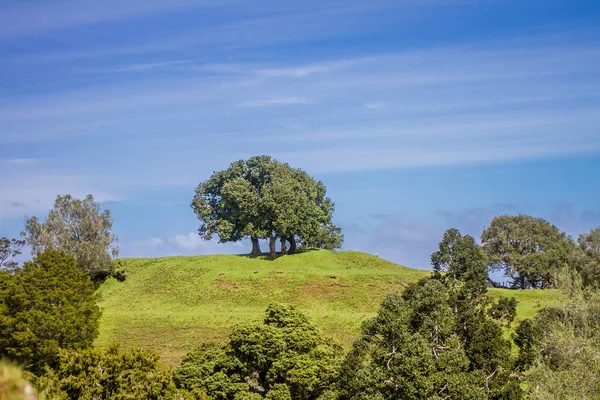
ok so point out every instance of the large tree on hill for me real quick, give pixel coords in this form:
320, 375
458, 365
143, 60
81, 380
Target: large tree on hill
76, 227
262, 198
529, 250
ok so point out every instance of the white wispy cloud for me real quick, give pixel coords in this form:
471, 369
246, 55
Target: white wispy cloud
281, 101
434, 107
151, 66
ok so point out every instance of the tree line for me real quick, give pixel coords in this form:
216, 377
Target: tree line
442, 337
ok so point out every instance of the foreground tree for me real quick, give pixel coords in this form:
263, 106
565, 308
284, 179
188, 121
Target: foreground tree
560, 347
435, 340
529, 250
285, 357
77, 227
262, 198
47, 305
109, 374
418, 347
13, 385
9, 248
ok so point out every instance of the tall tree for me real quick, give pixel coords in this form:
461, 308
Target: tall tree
418, 347
77, 227
262, 198
529, 250
463, 263
46, 305
9, 248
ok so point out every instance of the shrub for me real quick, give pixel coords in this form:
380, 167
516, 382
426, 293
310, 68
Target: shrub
47, 305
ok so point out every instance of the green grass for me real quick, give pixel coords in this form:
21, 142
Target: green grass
172, 304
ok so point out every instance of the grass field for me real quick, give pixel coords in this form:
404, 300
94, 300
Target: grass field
172, 304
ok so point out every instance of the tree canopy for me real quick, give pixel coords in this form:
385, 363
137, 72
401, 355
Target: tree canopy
109, 374
435, 340
9, 248
262, 198
589, 262
46, 305
529, 250
77, 227
284, 357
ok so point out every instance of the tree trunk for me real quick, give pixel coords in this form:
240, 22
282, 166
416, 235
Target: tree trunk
272, 251
255, 246
283, 246
293, 248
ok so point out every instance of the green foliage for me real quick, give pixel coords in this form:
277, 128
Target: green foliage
460, 262
418, 347
13, 385
9, 248
79, 228
263, 198
110, 374
589, 264
529, 250
46, 305
525, 337
505, 309
563, 345
284, 358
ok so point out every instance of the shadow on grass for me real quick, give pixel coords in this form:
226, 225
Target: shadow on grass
267, 257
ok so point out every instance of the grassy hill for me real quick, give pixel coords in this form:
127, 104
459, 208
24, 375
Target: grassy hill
172, 304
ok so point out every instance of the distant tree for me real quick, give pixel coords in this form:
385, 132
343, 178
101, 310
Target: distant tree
77, 227
262, 198
529, 250
589, 262
46, 305
285, 357
9, 248
328, 237
461, 261
109, 374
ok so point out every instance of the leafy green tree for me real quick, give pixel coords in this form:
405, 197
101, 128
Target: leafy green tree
77, 227
562, 344
46, 305
262, 198
284, 358
9, 248
418, 347
529, 250
589, 264
461, 262
505, 309
109, 374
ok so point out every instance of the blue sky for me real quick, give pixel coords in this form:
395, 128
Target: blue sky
417, 115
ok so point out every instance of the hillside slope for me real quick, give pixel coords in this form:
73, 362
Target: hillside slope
172, 304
